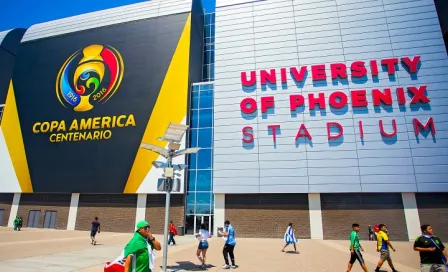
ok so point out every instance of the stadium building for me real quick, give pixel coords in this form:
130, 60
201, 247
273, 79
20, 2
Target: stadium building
320, 113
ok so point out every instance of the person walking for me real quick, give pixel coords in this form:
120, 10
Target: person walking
432, 252
203, 235
94, 230
16, 223
138, 252
229, 246
173, 232
138, 255
355, 249
371, 233
290, 239
19, 227
383, 245
376, 229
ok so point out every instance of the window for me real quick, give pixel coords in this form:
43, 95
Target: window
199, 199
204, 180
2, 214
191, 198
50, 219
206, 57
204, 159
33, 219
205, 118
191, 186
205, 73
194, 119
203, 209
208, 18
203, 198
212, 56
205, 137
195, 100
209, 40
193, 138
206, 99
212, 72
208, 31
189, 209
192, 161
207, 87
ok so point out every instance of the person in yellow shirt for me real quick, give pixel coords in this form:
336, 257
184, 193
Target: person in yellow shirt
383, 245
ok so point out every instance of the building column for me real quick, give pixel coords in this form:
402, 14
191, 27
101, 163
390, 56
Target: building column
219, 212
14, 209
411, 215
315, 216
73, 211
140, 213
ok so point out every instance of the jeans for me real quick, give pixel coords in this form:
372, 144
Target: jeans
171, 239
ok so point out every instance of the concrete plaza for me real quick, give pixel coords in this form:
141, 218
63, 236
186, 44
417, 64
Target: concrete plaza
62, 251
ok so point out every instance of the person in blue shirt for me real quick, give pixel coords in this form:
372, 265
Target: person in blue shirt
229, 234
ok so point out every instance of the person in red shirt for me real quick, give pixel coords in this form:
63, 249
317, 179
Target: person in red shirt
173, 232
376, 229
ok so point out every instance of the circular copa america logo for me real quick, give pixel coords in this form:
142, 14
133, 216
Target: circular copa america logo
90, 76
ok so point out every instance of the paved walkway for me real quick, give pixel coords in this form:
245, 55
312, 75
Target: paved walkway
63, 251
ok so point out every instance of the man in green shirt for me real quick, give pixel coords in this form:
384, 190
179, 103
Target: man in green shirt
137, 251
16, 223
355, 249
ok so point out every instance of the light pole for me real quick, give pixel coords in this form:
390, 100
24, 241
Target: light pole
173, 135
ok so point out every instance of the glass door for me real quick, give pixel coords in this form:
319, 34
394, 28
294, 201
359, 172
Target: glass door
189, 224
50, 219
203, 219
2, 213
33, 219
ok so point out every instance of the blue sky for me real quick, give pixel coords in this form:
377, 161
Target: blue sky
24, 13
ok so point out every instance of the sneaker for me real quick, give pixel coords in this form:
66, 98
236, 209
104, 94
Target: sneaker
226, 266
233, 267
94, 243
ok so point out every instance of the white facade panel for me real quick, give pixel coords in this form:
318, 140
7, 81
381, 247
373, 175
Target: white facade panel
293, 188
290, 34
10, 183
3, 34
138, 11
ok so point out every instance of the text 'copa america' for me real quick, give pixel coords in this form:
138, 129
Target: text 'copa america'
85, 129
412, 96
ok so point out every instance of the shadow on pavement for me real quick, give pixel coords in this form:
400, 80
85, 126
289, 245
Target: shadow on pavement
189, 266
